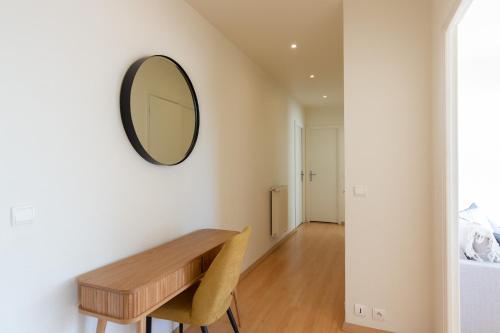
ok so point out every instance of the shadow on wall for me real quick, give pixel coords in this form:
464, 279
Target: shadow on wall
254, 148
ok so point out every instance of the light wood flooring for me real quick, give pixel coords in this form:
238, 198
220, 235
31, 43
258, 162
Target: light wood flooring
298, 288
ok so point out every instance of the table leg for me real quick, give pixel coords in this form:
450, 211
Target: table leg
141, 326
101, 326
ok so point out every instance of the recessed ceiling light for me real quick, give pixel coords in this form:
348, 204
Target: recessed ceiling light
293, 46
312, 76
324, 96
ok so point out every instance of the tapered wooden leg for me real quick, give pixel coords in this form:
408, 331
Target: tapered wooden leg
101, 326
141, 326
235, 298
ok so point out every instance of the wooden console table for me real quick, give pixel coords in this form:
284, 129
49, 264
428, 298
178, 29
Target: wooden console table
126, 291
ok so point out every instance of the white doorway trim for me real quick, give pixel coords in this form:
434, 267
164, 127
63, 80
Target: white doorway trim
452, 290
298, 220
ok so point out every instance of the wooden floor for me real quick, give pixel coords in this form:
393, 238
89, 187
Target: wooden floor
299, 288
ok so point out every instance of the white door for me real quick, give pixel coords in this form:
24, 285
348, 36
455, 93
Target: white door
322, 175
299, 175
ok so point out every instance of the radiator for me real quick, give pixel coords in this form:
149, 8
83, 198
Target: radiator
279, 210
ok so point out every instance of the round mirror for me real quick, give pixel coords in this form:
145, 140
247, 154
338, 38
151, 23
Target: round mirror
159, 110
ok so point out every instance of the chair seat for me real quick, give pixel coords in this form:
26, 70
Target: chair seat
177, 309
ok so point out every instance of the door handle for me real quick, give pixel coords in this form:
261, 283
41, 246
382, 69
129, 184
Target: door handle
302, 175
311, 174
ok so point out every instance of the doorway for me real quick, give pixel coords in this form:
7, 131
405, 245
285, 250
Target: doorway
472, 215
299, 161
324, 176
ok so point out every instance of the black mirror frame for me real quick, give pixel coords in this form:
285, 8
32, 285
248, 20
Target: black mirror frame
126, 112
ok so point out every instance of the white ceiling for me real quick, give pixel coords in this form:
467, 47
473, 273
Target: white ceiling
265, 29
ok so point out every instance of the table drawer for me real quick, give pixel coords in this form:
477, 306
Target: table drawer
126, 306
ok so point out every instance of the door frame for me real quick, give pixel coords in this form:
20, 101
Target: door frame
452, 277
297, 125
338, 126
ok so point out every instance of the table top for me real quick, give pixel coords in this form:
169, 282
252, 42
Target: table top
133, 272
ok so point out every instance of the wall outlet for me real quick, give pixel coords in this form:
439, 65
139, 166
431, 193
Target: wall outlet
378, 314
360, 310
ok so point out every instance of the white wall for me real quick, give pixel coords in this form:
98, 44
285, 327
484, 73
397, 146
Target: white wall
388, 150
442, 12
331, 116
324, 116
64, 149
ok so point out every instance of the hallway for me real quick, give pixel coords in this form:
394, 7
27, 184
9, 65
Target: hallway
298, 288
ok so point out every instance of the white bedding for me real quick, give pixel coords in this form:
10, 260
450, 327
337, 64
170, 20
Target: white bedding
476, 238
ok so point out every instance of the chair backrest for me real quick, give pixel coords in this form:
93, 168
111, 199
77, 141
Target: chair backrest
213, 296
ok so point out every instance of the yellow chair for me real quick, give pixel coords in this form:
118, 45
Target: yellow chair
203, 304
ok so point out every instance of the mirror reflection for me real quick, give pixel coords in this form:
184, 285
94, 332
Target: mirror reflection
163, 111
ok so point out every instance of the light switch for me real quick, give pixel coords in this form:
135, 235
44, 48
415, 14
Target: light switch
23, 215
359, 191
